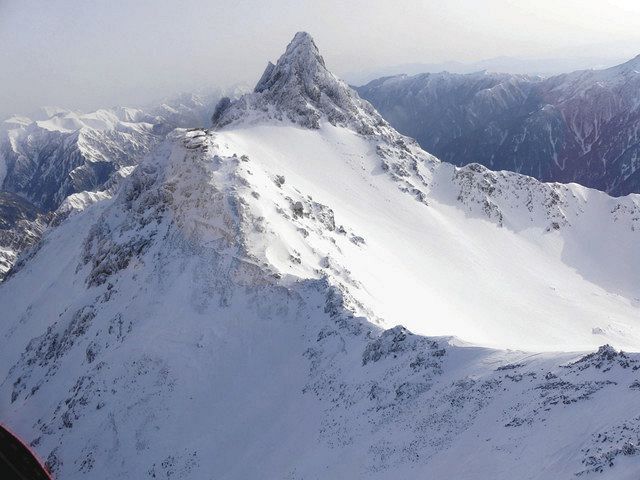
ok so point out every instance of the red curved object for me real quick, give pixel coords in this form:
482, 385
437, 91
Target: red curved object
17, 460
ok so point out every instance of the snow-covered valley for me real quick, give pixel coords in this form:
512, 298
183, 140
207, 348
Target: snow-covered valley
302, 292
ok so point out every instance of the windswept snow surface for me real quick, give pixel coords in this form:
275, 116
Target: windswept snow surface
223, 314
441, 270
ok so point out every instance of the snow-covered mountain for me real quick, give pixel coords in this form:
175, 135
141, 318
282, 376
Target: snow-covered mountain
578, 127
545, 67
232, 310
46, 160
63, 159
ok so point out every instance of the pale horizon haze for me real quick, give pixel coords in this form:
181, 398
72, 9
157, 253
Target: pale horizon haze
86, 54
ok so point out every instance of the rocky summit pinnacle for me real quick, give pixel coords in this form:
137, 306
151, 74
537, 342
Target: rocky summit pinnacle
301, 61
299, 88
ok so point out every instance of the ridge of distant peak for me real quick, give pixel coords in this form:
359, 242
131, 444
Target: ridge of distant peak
633, 63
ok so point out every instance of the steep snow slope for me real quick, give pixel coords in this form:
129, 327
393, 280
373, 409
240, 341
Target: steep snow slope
577, 127
222, 315
496, 259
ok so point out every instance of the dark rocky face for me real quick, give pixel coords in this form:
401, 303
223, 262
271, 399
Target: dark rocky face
21, 226
580, 127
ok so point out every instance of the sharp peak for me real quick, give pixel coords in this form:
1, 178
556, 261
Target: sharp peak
301, 89
302, 39
301, 55
301, 42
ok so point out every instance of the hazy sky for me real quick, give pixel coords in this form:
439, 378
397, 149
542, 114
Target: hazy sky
86, 53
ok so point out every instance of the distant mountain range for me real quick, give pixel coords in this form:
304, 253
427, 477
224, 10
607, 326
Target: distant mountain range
579, 127
544, 67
